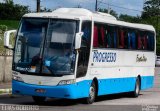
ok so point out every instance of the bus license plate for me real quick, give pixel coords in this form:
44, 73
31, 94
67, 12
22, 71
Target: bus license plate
40, 90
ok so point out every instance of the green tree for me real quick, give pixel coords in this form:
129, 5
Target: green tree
128, 18
112, 12
8, 1
11, 11
46, 10
151, 15
3, 28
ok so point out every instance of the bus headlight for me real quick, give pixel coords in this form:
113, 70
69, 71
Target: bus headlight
65, 82
17, 78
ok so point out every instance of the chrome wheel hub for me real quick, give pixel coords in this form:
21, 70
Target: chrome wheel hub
137, 88
92, 93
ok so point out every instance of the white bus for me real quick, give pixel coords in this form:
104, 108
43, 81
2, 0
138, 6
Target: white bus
74, 53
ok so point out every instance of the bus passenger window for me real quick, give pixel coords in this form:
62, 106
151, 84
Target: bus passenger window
132, 40
145, 41
109, 37
102, 31
105, 37
112, 32
115, 37
129, 40
142, 41
125, 38
139, 41
100, 38
121, 38
151, 41
95, 38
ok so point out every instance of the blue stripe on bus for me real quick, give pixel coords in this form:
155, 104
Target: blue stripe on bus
120, 85
72, 91
81, 89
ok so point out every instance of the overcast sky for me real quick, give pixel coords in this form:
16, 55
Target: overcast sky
120, 6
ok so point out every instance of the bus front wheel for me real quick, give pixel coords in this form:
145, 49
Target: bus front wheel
38, 99
92, 94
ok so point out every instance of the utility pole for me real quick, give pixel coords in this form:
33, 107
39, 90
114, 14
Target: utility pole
38, 5
158, 15
96, 6
108, 8
157, 19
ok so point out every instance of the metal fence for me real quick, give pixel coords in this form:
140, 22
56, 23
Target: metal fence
6, 52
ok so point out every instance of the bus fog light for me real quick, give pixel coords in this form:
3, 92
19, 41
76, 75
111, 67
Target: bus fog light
17, 78
65, 82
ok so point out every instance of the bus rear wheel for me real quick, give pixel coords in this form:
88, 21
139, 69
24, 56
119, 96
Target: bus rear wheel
136, 91
92, 94
38, 99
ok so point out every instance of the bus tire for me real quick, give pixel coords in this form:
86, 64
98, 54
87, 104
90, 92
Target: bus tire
38, 99
136, 91
92, 94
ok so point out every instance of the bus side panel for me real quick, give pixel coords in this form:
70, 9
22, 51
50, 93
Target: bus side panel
116, 85
120, 85
147, 82
117, 70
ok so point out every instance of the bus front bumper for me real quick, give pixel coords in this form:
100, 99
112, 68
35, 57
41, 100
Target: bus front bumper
72, 91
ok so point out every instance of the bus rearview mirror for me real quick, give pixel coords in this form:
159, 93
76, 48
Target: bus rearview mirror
78, 40
7, 38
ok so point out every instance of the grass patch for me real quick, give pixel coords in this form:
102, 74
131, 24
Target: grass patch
11, 24
5, 91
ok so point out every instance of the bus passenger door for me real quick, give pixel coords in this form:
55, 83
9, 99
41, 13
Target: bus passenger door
84, 51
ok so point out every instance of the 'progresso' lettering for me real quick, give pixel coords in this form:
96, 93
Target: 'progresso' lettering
104, 57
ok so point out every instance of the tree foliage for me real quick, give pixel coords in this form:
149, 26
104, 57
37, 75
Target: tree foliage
151, 8
11, 11
3, 28
9, 1
128, 18
112, 12
45, 10
151, 14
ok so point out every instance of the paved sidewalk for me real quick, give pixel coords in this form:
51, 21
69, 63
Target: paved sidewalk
5, 88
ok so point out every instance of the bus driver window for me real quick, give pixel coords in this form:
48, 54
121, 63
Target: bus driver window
84, 51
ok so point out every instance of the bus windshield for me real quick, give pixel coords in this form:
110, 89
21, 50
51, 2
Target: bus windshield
45, 46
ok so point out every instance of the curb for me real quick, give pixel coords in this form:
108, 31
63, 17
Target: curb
2, 91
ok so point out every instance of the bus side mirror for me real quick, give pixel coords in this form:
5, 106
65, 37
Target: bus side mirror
78, 39
7, 37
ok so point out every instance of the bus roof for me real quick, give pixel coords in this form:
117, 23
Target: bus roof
84, 14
